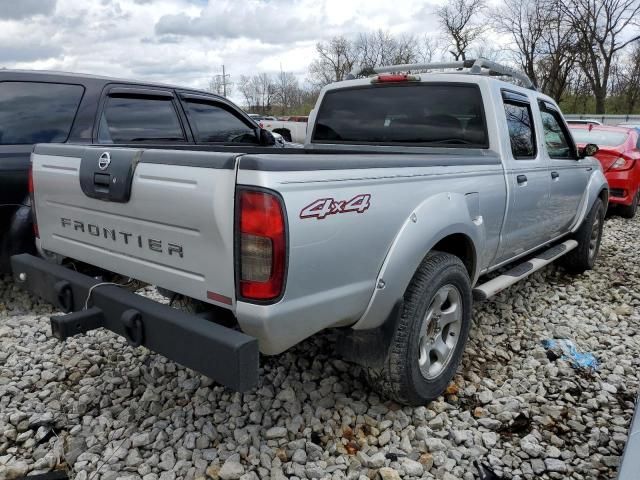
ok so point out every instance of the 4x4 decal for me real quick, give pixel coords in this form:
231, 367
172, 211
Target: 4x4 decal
322, 207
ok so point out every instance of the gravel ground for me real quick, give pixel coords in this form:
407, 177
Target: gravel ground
107, 411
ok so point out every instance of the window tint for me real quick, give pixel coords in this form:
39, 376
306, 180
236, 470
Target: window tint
521, 133
37, 112
555, 138
423, 114
211, 123
599, 137
139, 119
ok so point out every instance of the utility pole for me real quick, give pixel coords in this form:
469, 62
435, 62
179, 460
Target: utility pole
223, 78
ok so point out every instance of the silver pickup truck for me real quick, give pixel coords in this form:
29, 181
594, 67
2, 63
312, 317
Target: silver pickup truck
415, 194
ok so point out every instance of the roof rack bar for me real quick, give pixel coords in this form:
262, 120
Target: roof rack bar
475, 67
503, 70
424, 66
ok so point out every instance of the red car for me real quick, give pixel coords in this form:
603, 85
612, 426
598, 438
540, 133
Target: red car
619, 155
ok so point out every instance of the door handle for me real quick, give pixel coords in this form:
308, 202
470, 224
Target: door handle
522, 179
554, 175
589, 169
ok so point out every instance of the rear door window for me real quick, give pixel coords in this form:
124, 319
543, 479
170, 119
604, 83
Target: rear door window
35, 112
211, 123
131, 119
521, 133
439, 115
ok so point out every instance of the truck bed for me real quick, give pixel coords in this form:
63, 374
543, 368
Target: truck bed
175, 229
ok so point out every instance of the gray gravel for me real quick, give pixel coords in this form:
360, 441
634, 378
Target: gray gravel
108, 412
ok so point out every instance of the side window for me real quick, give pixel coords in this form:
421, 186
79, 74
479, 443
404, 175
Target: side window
521, 133
556, 138
212, 123
130, 119
33, 112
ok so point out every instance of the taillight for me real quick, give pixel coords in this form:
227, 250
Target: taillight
262, 245
622, 163
33, 203
395, 78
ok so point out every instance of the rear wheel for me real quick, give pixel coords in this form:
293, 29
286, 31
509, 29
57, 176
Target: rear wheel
588, 236
629, 211
430, 336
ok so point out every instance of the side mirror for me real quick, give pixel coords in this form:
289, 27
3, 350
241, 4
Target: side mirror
589, 150
266, 138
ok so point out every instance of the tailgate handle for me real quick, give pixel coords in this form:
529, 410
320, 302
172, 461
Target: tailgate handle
101, 182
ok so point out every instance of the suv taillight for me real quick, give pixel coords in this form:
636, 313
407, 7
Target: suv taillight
262, 245
623, 163
33, 203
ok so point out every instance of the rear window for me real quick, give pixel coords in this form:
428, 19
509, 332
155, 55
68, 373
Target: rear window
33, 112
139, 119
599, 137
422, 115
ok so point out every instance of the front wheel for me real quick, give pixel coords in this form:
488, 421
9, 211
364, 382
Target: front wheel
588, 236
430, 336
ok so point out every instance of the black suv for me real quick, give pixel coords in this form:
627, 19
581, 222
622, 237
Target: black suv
51, 107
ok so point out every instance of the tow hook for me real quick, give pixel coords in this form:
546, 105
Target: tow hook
133, 327
64, 295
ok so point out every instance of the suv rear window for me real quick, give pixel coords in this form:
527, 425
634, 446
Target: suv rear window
33, 112
602, 138
446, 115
139, 119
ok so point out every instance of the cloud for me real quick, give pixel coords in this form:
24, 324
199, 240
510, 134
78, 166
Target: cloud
275, 22
186, 42
28, 53
18, 9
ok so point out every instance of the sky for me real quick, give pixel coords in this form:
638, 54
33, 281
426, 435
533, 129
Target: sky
186, 42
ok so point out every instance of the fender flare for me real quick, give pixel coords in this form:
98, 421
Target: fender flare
434, 219
595, 187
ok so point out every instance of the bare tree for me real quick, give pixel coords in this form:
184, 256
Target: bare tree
626, 80
428, 47
287, 91
525, 21
462, 25
604, 28
245, 87
335, 60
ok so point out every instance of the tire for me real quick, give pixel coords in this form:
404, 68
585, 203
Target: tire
17, 237
417, 367
588, 236
629, 211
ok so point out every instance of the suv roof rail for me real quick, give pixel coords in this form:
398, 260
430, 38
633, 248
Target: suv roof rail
476, 66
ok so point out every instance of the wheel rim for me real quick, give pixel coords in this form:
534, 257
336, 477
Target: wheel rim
595, 236
440, 331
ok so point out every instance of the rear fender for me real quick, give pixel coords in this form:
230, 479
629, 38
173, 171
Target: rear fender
436, 218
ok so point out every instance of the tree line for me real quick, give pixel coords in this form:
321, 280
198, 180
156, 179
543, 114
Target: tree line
583, 53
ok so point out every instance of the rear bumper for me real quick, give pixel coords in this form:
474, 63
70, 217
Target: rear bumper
225, 355
621, 187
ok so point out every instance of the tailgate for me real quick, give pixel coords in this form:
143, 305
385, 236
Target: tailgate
165, 217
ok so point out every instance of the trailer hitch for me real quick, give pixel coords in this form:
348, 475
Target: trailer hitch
76, 323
